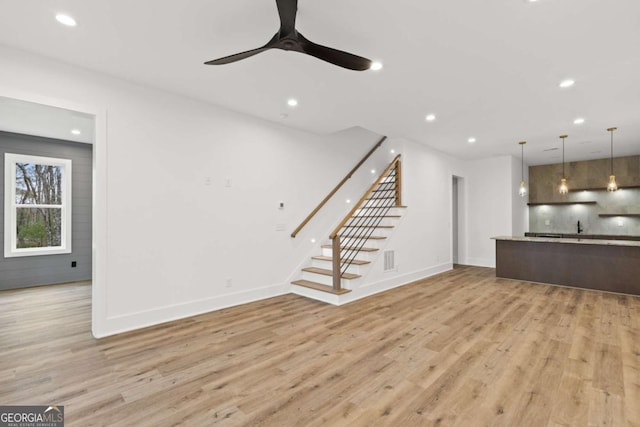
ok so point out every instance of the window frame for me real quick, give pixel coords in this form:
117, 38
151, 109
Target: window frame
10, 206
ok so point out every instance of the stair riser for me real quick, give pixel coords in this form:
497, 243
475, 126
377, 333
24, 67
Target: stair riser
324, 280
372, 221
355, 269
378, 204
315, 294
365, 256
369, 243
391, 211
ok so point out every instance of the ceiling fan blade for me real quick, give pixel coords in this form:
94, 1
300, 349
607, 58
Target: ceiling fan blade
334, 56
236, 57
242, 55
287, 9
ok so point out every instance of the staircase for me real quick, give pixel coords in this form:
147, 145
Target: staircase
357, 240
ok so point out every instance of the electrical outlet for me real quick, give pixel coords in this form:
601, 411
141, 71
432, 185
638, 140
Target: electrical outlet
74, 264
207, 180
229, 283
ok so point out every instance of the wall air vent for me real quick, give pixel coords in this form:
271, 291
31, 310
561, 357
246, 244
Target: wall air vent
389, 260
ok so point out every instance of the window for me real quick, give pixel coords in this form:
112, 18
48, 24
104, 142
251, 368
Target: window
37, 208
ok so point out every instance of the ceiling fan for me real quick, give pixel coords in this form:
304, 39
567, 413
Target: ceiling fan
288, 38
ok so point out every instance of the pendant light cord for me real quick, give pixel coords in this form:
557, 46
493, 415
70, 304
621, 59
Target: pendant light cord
522, 158
611, 152
563, 158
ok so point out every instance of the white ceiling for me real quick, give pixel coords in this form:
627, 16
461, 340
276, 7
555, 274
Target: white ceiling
42, 120
488, 69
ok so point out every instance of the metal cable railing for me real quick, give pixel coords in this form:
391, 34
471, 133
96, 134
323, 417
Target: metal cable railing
361, 228
353, 232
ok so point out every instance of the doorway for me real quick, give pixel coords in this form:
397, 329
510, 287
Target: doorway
457, 220
46, 109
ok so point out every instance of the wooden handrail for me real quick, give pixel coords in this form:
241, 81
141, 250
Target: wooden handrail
340, 184
366, 196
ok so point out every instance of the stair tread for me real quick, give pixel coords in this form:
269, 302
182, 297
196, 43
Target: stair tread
328, 258
378, 207
348, 248
320, 287
363, 237
377, 216
369, 226
326, 272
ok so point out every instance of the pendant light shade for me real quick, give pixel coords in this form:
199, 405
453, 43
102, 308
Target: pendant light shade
563, 182
523, 187
563, 186
612, 186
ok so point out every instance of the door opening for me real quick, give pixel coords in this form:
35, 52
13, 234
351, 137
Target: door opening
457, 220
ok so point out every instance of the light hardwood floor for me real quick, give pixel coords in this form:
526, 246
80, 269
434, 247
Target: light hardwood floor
459, 349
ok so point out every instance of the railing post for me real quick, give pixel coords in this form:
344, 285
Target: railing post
337, 275
398, 183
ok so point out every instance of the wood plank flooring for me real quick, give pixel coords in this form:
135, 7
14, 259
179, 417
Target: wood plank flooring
459, 349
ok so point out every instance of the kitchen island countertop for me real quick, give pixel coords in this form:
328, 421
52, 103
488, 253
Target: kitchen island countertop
587, 241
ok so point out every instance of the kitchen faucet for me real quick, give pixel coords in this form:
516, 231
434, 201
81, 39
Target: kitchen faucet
580, 230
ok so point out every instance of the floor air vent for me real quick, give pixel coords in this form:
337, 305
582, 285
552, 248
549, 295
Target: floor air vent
389, 260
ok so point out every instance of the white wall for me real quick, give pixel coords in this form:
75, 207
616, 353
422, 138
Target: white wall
167, 242
489, 196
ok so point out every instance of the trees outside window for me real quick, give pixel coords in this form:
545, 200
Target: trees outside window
37, 205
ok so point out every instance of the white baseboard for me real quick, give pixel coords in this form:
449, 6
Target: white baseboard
481, 262
395, 282
128, 322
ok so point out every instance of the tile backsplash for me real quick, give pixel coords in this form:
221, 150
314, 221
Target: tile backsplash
564, 218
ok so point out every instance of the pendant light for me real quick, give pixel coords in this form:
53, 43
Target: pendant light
612, 186
523, 186
563, 182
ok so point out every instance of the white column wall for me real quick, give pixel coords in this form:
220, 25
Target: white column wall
489, 196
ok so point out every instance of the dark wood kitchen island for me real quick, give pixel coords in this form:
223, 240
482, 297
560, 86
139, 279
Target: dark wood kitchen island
606, 265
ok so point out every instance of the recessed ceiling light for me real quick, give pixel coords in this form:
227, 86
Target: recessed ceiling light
373, 171
392, 151
76, 131
348, 200
430, 117
66, 20
567, 83
376, 66
578, 121
292, 102
471, 140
